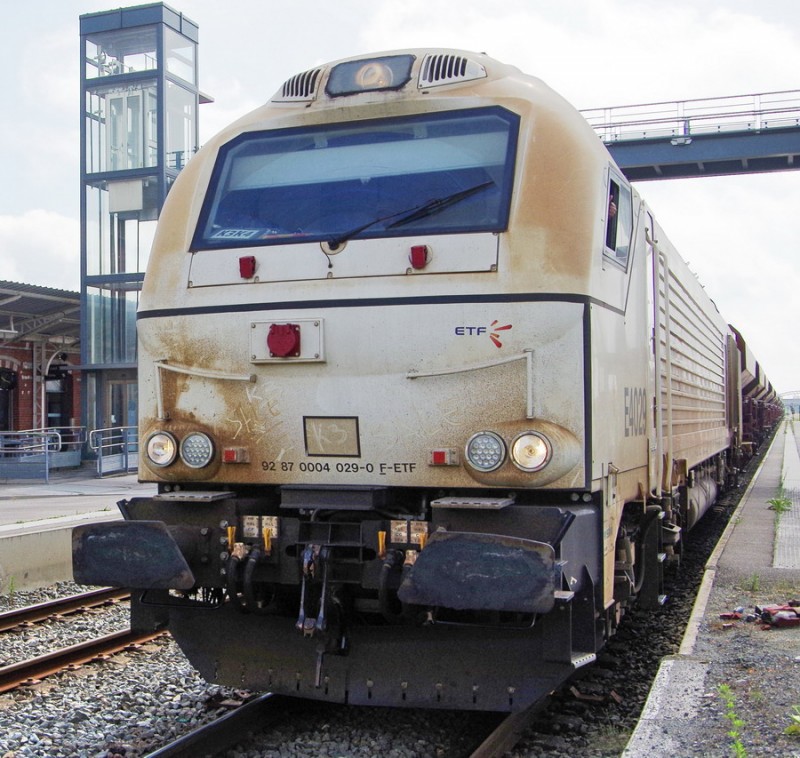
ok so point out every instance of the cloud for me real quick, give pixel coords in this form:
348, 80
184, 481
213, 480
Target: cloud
40, 134
232, 99
41, 247
738, 236
609, 51
49, 72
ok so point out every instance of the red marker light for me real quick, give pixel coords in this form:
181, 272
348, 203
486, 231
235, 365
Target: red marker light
235, 455
445, 456
247, 266
420, 255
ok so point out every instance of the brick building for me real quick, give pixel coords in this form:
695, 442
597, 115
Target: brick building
40, 380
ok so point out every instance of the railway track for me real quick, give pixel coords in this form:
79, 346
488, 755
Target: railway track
34, 669
215, 737
506, 734
255, 715
60, 607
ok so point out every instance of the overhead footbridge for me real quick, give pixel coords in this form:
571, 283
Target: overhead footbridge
717, 136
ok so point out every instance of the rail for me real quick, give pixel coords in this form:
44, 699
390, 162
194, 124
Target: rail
116, 448
680, 119
32, 453
61, 607
507, 733
16, 674
226, 732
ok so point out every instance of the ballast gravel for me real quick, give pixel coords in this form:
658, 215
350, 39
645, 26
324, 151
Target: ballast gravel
136, 702
127, 705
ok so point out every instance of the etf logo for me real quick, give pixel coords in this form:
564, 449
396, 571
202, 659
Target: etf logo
476, 331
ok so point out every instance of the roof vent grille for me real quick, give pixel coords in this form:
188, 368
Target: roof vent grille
301, 87
443, 68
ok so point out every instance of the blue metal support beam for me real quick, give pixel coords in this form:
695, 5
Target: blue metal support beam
712, 137
708, 154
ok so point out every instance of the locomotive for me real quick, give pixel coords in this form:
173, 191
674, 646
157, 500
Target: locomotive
428, 395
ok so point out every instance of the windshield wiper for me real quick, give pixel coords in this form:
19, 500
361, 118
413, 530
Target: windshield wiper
339, 239
414, 214
439, 204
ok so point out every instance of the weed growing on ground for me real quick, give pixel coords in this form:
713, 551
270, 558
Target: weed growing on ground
752, 583
794, 728
780, 505
612, 738
11, 587
757, 696
726, 693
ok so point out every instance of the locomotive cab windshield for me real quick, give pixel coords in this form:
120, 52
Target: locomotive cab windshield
439, 173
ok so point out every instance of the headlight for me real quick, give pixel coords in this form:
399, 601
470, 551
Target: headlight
161, 448
197, 450
369, 74
530, 451
485, 451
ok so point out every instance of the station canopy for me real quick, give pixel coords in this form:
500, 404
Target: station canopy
29, 313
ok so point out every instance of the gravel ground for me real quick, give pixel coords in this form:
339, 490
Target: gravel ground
761, 668
342, 732
29, 642
136, 702
128, 705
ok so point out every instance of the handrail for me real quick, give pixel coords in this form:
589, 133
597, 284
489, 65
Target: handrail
680, 118
196, 371
69, 436
29, 441
31, 453
117, 449
526, 355
100, 439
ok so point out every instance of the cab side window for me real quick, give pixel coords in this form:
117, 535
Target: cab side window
619, 221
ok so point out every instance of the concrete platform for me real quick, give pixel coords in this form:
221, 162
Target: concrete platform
69, 492
36, 521
750, 547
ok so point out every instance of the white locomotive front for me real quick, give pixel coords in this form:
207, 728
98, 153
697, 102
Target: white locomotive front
417, 379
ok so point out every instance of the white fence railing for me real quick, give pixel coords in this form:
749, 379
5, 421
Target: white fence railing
681, 118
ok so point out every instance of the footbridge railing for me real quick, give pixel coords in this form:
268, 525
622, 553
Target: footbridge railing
680, 119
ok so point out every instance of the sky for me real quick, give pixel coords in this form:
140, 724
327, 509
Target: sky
739, 234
